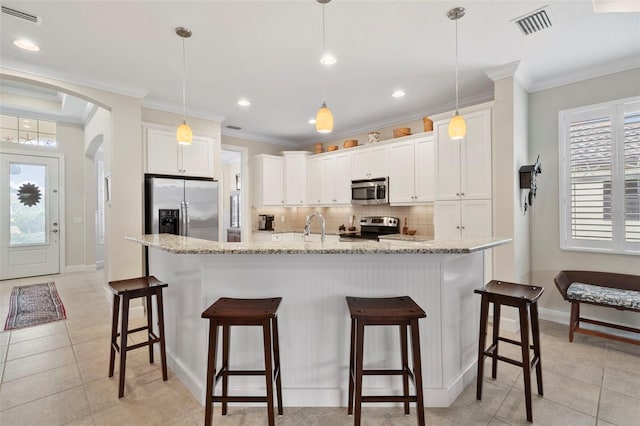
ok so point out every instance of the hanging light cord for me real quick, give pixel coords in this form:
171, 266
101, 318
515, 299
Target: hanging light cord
184, 79
324, 51
456, 66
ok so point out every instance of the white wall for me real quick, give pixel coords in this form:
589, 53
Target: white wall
547, 258
97, 135
521, 157
509, 152
70, 140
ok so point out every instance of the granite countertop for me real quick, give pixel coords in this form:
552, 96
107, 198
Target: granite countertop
186, 245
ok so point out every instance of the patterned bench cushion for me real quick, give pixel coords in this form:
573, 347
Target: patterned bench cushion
581, 292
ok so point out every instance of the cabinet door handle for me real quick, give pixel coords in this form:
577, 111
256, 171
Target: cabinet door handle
462, 193
463, 227
457, 227
458, 194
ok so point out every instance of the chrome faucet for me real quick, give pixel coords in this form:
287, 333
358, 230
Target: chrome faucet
307, 226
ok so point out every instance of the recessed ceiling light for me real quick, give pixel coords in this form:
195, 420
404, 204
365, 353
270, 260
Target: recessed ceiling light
27, 45
328, 59
312, 121
398, 94
244, 102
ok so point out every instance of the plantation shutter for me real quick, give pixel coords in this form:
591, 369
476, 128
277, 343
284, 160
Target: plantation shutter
591, 163
631, 131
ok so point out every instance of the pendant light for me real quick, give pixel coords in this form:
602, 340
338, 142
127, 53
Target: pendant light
184, 133
324, 117
457, 125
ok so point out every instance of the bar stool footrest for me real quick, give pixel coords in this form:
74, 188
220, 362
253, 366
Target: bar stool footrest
239, 399
389, 398
142, 344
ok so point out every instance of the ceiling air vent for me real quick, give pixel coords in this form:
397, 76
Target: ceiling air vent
22, 15
535, 21
234, 127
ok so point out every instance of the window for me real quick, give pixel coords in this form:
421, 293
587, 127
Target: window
600, 177
28, 131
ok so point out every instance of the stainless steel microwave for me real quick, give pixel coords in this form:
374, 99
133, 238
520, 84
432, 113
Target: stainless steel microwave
370, 191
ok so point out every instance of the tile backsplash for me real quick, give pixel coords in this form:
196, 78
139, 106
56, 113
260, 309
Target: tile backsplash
419, 217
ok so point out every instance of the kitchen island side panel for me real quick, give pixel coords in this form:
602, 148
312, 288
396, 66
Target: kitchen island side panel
313, 318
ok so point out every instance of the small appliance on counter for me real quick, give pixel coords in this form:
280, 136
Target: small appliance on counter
265, 222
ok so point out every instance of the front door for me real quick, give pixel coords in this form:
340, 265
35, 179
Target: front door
29, 216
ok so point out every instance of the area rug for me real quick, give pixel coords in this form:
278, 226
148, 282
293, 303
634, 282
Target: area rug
34, 304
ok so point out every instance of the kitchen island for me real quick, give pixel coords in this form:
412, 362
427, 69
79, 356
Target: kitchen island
313, 280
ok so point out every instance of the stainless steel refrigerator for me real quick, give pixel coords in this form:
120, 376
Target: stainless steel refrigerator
181, 206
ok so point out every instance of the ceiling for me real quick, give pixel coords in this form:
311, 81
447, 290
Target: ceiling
268, 52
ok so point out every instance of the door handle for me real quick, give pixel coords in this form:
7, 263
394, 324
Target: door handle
54, 231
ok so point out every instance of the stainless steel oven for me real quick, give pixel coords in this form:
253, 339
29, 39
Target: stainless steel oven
371, 228
370, 191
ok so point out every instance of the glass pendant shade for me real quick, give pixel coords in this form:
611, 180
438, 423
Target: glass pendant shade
324, 119
184, 134
457, 127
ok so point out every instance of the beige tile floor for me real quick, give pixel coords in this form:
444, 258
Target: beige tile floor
56, 374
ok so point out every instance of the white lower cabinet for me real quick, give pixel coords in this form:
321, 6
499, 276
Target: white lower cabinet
454, 220
462, 219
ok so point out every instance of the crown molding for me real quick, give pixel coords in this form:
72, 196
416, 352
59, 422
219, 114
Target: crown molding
113, 87
172, 108
587, 73
515, 69
241, 134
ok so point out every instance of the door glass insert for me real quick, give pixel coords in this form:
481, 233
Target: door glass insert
27, 205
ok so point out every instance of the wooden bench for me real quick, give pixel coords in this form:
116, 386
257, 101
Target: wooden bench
618, 291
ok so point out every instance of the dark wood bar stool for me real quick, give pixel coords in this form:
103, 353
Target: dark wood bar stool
227, 312
400, 311
132, 289
525, 298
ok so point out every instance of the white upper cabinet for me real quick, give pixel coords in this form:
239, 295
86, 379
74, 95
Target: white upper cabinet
295, 178
166, 156
369, 163
411, 171
268, 175
314, 181
464, 166
342, 173
329, 180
